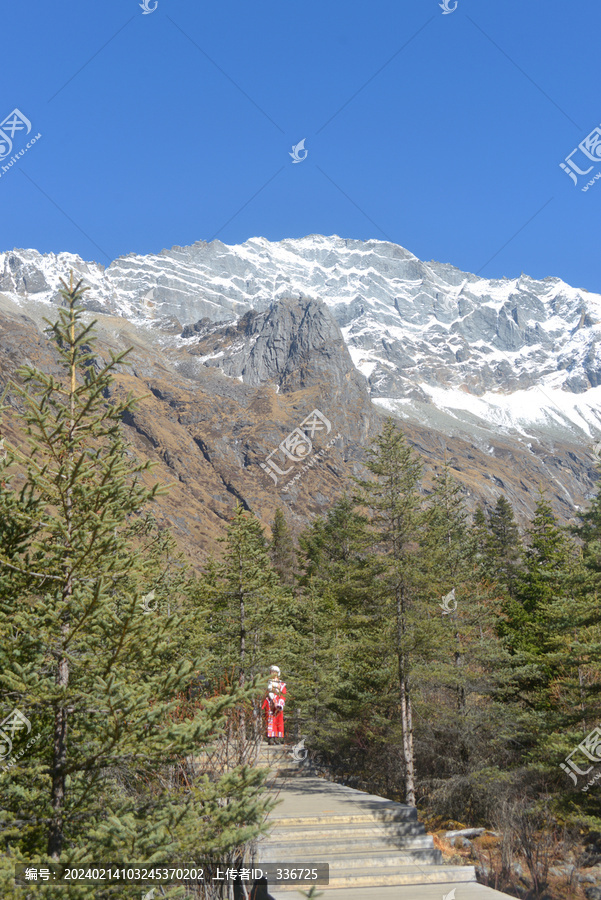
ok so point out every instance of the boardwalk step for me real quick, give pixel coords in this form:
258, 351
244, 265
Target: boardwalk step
350, 835
391, 815
345, 862
342, 830
367, 841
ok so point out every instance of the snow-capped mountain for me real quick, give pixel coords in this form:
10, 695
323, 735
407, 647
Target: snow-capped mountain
517, 354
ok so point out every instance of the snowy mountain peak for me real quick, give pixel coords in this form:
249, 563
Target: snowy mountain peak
420, 332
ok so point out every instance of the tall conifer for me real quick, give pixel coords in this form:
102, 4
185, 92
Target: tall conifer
339, 571
88, 651
281, 548
394, 500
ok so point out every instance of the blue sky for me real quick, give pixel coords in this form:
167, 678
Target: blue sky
442, 133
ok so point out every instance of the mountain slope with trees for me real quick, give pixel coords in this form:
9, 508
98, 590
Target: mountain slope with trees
435, 654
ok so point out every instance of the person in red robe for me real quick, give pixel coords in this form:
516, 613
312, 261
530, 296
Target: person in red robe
273, 704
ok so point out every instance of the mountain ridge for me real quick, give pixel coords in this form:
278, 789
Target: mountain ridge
503, 376
417, 331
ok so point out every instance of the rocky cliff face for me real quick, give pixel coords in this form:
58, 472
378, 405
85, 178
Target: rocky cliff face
239, 345
214, 440
410, 325
294, 344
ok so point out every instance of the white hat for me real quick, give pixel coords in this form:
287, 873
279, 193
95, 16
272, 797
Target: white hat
274, 669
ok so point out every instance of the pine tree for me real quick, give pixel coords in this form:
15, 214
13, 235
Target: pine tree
249, 611
497, 545
503, 548
582, 637
449, 552
586, 615
252, 592
88, 650
394, 500
339, 624
526, 626
446, 564
457, 660
543, 579
282, 548
479, 533
550, 630
313, 660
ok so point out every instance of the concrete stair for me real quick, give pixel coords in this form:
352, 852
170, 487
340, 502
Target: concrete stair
368, 842
376, 849
279, 760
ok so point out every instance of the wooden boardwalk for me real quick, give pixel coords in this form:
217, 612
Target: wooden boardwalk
376, 849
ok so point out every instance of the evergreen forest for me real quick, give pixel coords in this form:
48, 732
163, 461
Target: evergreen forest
438, 657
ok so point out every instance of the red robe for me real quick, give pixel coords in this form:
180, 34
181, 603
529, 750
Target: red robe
274, 709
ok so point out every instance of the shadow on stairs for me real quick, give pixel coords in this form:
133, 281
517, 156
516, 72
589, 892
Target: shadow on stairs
373, 848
